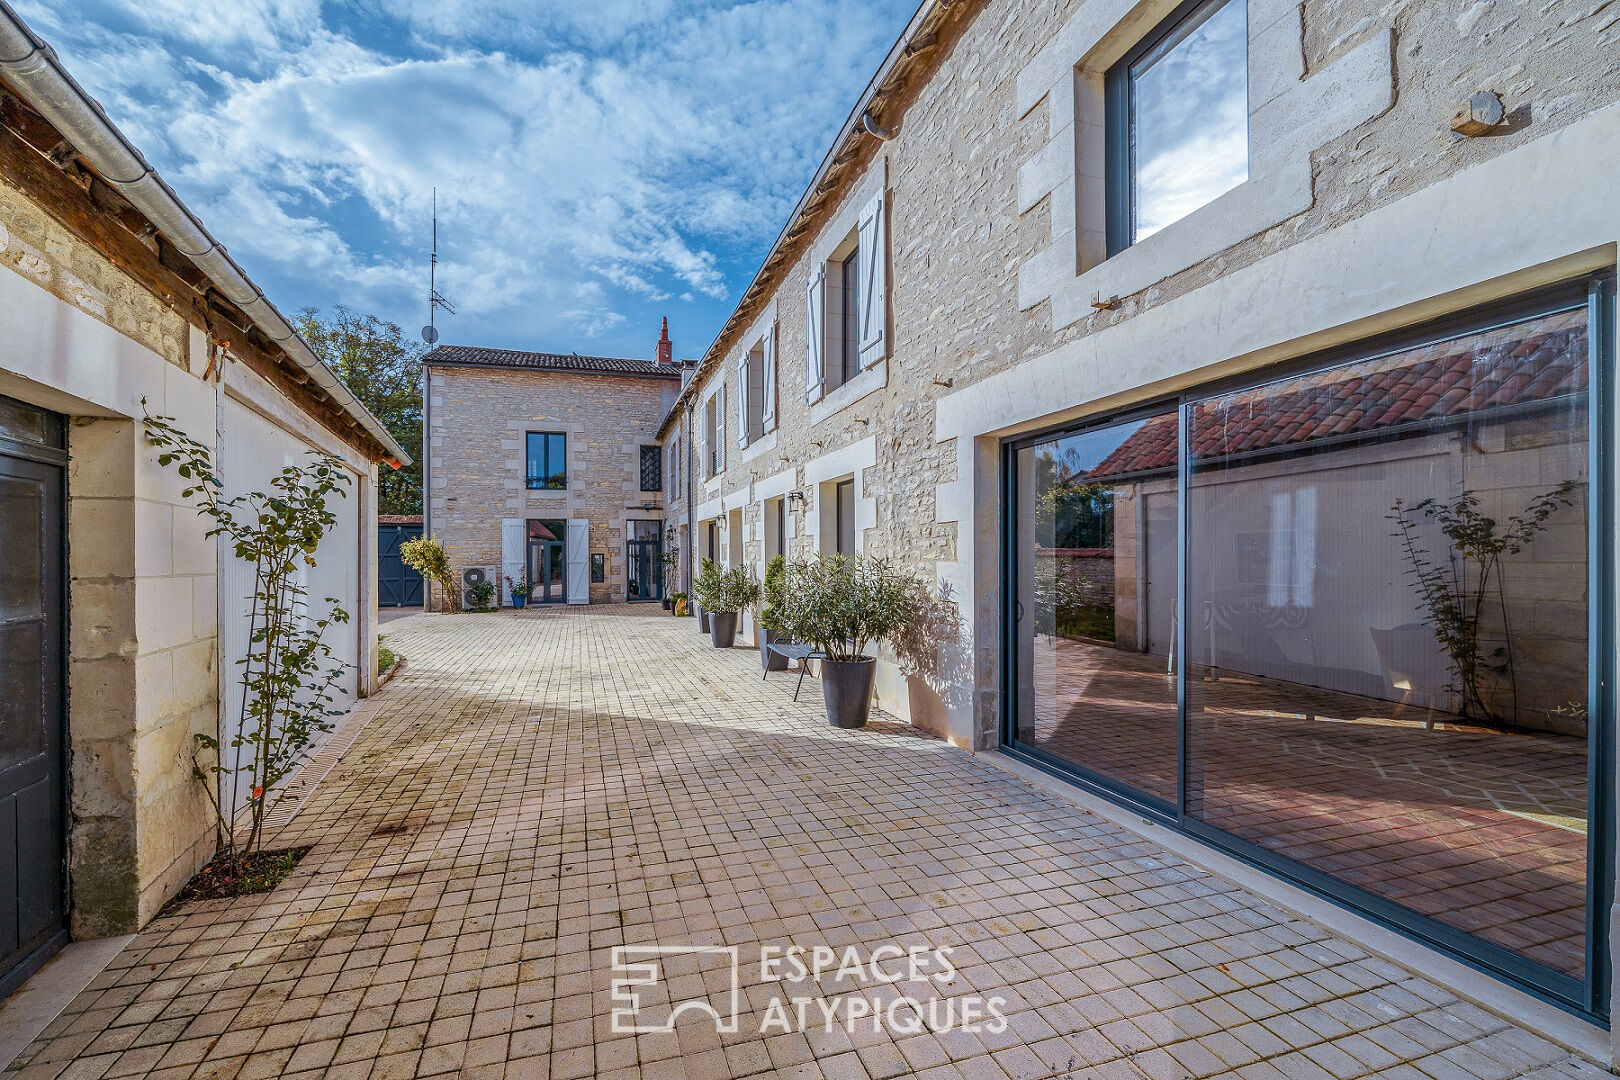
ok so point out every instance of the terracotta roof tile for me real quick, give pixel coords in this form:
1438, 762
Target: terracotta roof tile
1496, 369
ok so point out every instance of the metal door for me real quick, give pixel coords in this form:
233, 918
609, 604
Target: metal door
643, 548
33, 874
397, 584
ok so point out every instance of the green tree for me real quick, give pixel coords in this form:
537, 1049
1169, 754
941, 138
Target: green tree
383, 368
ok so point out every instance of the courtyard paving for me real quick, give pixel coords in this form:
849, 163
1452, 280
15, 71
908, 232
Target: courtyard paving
534, 790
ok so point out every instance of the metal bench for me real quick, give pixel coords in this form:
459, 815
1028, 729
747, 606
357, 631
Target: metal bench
803, 654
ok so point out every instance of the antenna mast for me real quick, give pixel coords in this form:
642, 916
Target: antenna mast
430, 332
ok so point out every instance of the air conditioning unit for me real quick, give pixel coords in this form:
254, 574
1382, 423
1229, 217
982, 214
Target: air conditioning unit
471, 576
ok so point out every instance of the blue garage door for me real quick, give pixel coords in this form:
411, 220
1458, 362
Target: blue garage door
397, 584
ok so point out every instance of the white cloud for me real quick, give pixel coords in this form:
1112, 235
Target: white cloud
589, 158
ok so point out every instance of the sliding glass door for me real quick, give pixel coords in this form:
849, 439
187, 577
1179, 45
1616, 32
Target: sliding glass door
1381, 679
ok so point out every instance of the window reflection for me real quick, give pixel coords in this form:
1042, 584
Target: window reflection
1098, 601
1386, 623
1387, 581
1189, 117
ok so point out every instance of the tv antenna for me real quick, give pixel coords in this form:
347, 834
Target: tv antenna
436, 300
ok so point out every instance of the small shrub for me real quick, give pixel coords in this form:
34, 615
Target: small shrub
774, 595
427, 557
706, 586
483, 595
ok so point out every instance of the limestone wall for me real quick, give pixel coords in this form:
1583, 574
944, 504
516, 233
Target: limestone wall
478, 419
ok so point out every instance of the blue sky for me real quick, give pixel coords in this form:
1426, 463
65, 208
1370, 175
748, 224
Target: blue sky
599, 163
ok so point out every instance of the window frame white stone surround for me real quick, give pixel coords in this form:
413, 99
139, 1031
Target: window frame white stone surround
764, 335
819, 473
1289, 116
873, 365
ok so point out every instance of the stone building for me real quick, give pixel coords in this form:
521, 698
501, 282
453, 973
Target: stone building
1257, 307
547, 467
121, 621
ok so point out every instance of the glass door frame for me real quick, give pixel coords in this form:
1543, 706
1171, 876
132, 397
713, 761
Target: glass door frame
1587, 997
634, 553
541, 583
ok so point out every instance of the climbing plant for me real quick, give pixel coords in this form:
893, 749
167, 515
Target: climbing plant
1457, 587
289, 672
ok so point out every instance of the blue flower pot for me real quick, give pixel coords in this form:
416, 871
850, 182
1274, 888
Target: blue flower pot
519, 601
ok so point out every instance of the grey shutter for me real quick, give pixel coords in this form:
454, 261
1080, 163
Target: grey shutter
767, 396
742, 400
815, 300
873, 283
720, 429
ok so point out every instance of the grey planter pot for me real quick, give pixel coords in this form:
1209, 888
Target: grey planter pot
703, 618
846, 689
769, 660
722, 628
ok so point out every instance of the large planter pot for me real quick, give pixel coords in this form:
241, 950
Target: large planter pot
722, 628
703, 619
667, 604
519, 601
769, 660
846, 688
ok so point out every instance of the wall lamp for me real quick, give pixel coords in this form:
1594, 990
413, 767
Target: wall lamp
795, 497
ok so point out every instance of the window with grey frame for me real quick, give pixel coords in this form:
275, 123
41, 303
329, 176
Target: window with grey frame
547, 460
1176, 119
844, 517
849, 323
1286, 612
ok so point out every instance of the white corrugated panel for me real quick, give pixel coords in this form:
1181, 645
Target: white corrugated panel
254, 450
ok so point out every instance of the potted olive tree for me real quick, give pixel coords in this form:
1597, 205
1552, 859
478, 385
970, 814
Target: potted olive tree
704, 586
841, 605
770, 615
729, 594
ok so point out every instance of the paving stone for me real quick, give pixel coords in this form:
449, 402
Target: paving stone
538, 788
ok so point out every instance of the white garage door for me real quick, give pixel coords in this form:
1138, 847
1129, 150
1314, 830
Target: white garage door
254, 451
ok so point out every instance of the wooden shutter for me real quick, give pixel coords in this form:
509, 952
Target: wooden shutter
742, 401
767, 395
815, 299
576, 554
874, 283
514, 547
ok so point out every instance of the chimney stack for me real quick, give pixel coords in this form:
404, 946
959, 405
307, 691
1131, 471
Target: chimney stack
666, 348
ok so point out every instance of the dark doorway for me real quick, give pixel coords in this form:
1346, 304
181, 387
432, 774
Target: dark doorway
643, 548
547, 562
397, 584
33, 840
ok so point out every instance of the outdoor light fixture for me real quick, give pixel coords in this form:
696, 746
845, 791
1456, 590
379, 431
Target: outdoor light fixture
795, 497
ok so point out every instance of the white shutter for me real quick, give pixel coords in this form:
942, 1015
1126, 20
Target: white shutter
742, 401
815, 342
815, 302
720, 429
767, 395
577, 553
513, 543
873, 283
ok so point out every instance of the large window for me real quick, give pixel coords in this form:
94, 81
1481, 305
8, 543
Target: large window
1178, 119
547, 460
1380, 680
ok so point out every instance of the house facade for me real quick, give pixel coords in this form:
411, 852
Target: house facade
121, 621
546, 468
1241, 372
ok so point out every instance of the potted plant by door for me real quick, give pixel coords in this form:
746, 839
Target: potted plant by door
771, 631
733, 592
670, 559
841, 605
704, 587
520, 590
